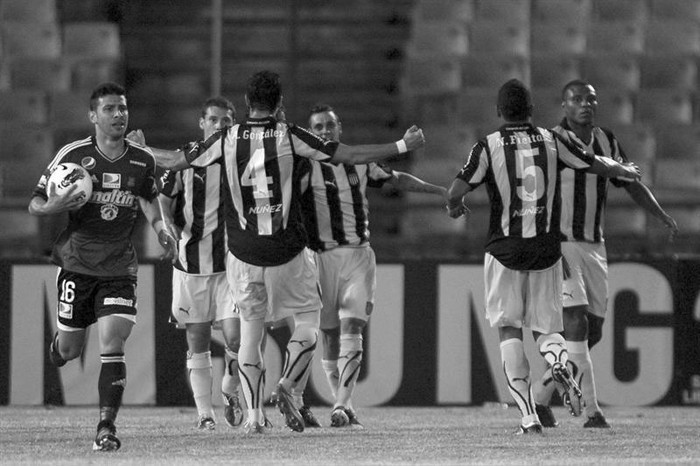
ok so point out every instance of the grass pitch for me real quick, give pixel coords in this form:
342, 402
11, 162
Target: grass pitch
393, 435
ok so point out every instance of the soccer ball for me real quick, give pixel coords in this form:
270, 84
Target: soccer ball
66, 175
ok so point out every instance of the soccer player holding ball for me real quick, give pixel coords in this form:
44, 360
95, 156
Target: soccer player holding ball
96, 258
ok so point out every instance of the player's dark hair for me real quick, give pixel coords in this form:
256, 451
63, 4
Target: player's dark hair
108, 88
264, 90
514, 101
220, 102
573, 83
322, 108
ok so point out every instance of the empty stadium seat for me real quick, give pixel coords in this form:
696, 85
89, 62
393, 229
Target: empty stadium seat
89, 72
487, 70
46, 74
426, 109
557, 11
673, 37
553, 71
620, 10
615, 107
34, 11
494, 37
438, 39
21, 105
503, 10
679, 141
36, 40
91, 39
678, 174
546, 101
638, 141
443, 11
677, 9
558, 39
615, 37
678, 72
624, 220
610, 71
664, 105
69, 110
477, 106
432, 76
21, 141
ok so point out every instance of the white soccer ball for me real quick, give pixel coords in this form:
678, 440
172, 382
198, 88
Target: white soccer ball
68, 174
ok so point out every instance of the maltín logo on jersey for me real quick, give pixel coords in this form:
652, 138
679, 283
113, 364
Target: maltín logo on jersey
112, 180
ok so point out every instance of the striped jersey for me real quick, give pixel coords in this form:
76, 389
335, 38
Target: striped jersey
199, 213
336, 211
584, 194
520, 165
263, 161
97, 240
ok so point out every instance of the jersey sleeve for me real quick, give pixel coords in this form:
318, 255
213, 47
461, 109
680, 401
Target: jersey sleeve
378, 174
307, 144
574, 156
209, 151
618, 155
474, 171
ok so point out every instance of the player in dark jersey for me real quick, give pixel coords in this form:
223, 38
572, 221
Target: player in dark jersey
96, 258
269, 264
336, 214
520, 165
585, 289
193, 205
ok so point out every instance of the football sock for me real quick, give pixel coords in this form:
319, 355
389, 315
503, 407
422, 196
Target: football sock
553, 348
543, 388
300, 351
298, 388
348, 367
250, 367
582, 369
517, 371
200, 374
330, 367
231, 381
111, 384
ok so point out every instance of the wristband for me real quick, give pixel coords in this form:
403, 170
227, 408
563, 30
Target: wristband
401, 146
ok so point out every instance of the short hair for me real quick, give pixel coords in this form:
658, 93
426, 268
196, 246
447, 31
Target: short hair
514, 101
322, 108
220, 102
107, 88
573, 83
264, 90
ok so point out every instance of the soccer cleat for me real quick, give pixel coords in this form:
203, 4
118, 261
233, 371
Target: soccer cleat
339, 417
291, 414
253, 428
106, 438
546, 416
534, 428
54, 355
309, 418
233, 412
205, 423
572, 392
597, 421
352, 418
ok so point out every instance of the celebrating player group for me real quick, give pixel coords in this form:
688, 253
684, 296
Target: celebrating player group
266, 222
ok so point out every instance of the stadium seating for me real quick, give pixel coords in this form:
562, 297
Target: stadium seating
615, 107
23, 105
678, 174
615, 37
443, 11
486, 70
638, 141
89, 72
513, 11
34, 11
32, 40
673, 37
477, 107
496, 37
686, 10
679, 141
567, 40
438, 40
557, 11
432, 76
547, 106
678, 72
609, 71
669, 106
620, 10
47, 74
69, 110
623, 220
91, 39
553, 71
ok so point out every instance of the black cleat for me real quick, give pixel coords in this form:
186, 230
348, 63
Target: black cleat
233, 411
54, 355
534, 428
572, 392
597, 421
546, 416
106, 438
205, 423
352, 418
291, 414
339, 417
309, 418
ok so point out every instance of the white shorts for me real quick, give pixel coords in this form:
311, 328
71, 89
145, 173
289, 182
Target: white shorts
523, 298
201, 298
280, 291
588, 283
348, 281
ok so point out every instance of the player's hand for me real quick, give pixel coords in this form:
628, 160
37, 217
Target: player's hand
169, 244
69, 200
672, 227
458, 210
137, 136
414, 138
631, 172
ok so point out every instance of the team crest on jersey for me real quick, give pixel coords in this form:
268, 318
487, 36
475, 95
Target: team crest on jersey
353, 179
111, 180
88, 163
109, 212
65, 310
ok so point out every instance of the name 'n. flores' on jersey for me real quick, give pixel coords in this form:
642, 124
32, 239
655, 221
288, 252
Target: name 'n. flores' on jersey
263, 163
520, 166
97, 240
336, 211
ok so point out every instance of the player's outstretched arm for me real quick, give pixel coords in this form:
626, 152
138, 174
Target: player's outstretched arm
56, 203
365, 153
407, 182
152, 212
643, 196
455, 198
168, 159
609, 168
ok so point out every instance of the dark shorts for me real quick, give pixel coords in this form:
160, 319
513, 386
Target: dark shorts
82, 299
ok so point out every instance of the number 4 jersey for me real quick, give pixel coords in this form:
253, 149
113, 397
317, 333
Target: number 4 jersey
520, 165
263, 161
